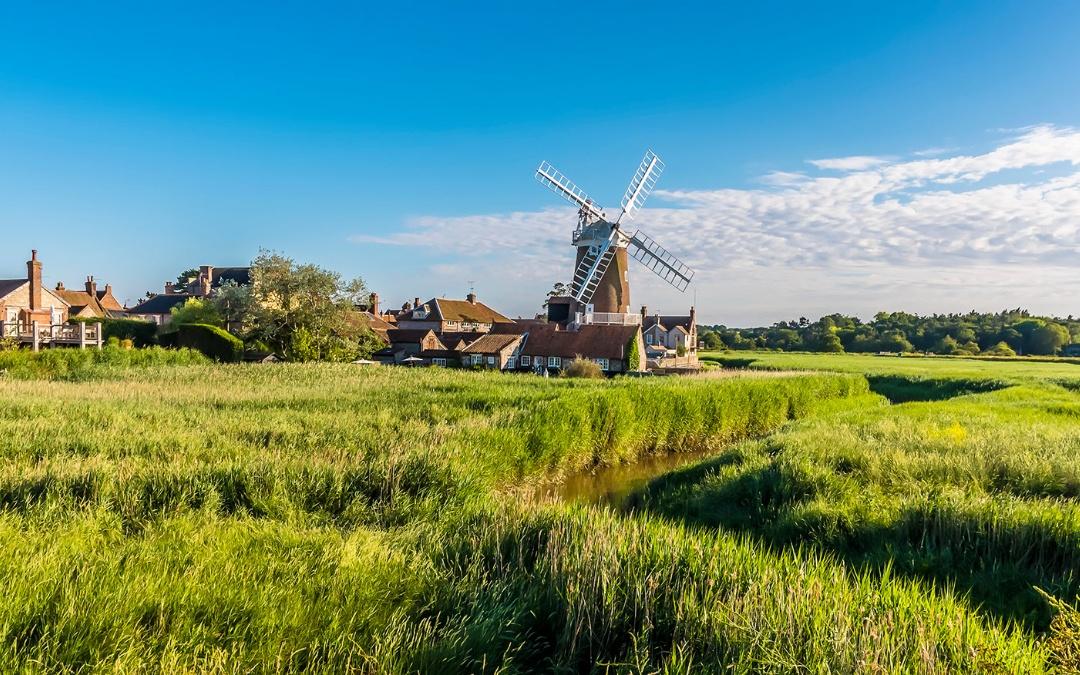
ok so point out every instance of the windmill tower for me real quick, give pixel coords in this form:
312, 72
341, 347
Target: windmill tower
601, 284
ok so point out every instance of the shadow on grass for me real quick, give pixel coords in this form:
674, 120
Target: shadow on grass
995, 562
904, 389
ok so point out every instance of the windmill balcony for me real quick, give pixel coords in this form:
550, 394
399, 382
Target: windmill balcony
607, 319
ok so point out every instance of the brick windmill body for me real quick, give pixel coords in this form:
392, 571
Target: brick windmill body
600, 289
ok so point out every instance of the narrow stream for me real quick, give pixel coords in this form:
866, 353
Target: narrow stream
613, 484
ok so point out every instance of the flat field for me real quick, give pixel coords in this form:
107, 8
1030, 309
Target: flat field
161, 514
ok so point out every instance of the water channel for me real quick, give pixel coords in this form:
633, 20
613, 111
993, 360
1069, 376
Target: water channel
612, 485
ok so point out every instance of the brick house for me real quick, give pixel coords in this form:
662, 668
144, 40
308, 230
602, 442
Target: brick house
209, 279
408, 342
666, 336
442, 315
493, 351
26, 301
552, 348
90, 303
158, 308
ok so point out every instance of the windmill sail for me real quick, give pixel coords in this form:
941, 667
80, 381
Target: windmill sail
641, 184
591, 269
563, 186
659, 260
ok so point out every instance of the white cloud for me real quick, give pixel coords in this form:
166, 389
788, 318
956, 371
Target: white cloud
981, 230
855, 163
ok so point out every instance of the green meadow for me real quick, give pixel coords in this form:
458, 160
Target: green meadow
861, 514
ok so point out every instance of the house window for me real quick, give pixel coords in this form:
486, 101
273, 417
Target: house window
491, 361
603, 363
511, 363
526, 361
438, 362
649, 338
477, 359
451, 324
554, 362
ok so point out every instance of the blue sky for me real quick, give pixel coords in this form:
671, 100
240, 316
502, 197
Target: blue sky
398, 144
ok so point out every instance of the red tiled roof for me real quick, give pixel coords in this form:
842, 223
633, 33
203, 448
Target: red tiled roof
463, 310
591, 341
491, 344
78, 300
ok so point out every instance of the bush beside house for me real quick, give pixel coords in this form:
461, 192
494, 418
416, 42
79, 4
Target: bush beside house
212, 341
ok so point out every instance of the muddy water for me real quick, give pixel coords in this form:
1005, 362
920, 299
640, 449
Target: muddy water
613, 484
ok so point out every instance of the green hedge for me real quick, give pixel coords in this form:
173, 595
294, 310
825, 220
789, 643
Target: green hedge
142, 333
211, 341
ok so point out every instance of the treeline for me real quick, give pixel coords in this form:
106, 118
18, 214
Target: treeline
1007, 333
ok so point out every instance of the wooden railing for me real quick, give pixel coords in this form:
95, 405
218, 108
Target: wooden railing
38, 335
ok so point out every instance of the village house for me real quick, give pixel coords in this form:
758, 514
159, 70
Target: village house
25, 301
210, 279
442, 315
671, 341
158, 308
493, 351
90, 303
36, 316
406, 343
609, 346
375, 321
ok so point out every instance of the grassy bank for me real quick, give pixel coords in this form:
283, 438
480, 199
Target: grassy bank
328, 517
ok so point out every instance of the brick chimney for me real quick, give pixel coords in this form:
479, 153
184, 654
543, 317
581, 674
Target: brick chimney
59, 285
644, 313
416, 303
373, 304
108, 289
169, 288
33, 275
206, 275
471, 297
91, 286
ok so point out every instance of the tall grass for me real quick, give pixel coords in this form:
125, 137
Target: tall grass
86, 364
978, 491
170, 517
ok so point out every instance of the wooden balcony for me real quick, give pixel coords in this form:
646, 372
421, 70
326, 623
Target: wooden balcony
37, 335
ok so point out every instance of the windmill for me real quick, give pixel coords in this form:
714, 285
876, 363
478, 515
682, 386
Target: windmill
600, 281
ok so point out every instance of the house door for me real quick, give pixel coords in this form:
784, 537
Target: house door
11, 320
57, 316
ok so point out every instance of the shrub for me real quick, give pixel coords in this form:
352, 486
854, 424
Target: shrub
585, 368
141, 333
211, 341
633, 355
1001, 349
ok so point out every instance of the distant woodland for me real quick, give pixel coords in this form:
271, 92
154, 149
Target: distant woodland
1008, 333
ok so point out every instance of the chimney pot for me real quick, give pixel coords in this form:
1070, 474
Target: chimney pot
373, 301
416, 303
471, 297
